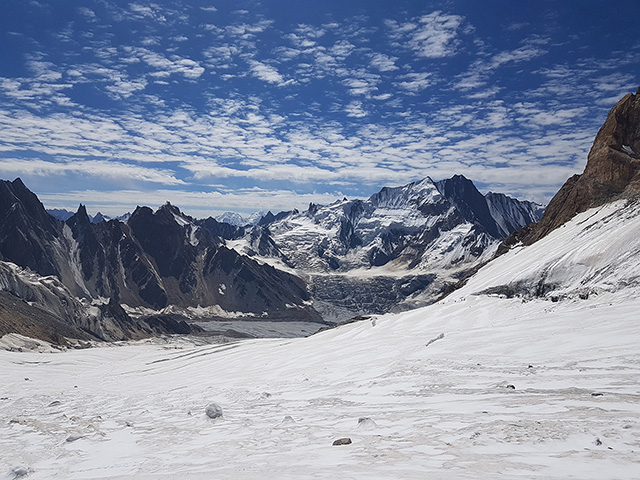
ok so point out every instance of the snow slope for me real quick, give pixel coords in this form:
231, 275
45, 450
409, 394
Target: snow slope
473, 387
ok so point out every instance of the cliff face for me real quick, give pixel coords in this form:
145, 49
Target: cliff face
612, 171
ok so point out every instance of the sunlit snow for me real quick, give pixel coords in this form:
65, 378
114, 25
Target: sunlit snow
477, 386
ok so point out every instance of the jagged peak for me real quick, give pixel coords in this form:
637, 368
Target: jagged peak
98, 218
17, 182
82, 210
167, 206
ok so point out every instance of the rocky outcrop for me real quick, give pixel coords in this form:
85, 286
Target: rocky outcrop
42, 307
28, 235
612, 171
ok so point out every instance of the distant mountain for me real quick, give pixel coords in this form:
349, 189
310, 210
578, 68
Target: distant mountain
64, 215
60, 213
233, 218
371, 255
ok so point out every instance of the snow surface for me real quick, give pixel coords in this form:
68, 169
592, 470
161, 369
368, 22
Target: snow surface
474, 387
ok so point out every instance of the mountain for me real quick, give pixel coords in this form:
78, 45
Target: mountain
42, 307
237, 220
401, 247
64, 215
155, 260
612, 171
60, 213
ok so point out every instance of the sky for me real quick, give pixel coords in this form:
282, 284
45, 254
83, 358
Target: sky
271, 104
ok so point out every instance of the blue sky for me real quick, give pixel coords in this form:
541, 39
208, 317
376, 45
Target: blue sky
272, 104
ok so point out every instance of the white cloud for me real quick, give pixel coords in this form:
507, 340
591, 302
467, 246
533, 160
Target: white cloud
173, 64
87, 12
414, 82
383, 62
355, 109
267, 73
431, 36
479, 72
96, 168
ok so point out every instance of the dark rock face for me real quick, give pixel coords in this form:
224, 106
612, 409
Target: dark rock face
42, 307
472, 205
27, 231
18, 316
157, 259
612, 171
221, 229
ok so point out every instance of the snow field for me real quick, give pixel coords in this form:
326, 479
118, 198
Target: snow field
473, 387
443, 409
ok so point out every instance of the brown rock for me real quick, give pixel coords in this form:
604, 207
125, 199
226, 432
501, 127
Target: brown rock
612, 172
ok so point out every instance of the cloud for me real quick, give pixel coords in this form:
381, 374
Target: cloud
479, 72
414, 82
267, 73
355, 109
95, 168
431, 36
173, 64
383, 62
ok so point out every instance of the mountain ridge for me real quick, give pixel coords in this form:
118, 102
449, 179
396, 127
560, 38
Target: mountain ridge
612, 172
373, 255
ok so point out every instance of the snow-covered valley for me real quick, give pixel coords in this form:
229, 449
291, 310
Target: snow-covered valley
518, 381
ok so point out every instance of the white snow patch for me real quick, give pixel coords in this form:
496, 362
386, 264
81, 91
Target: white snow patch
76, 267
193, 240
183, 222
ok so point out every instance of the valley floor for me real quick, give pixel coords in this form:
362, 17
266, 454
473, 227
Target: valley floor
472, 387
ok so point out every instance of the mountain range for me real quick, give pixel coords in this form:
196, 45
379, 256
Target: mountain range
400, 248
335, 262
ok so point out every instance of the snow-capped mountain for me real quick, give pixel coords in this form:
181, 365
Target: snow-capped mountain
370, 255
420, 226
234, 218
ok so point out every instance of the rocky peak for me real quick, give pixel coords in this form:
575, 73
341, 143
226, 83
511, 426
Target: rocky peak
16, 193
99, 217
612, 171
461, 191
81, 217
414, 193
